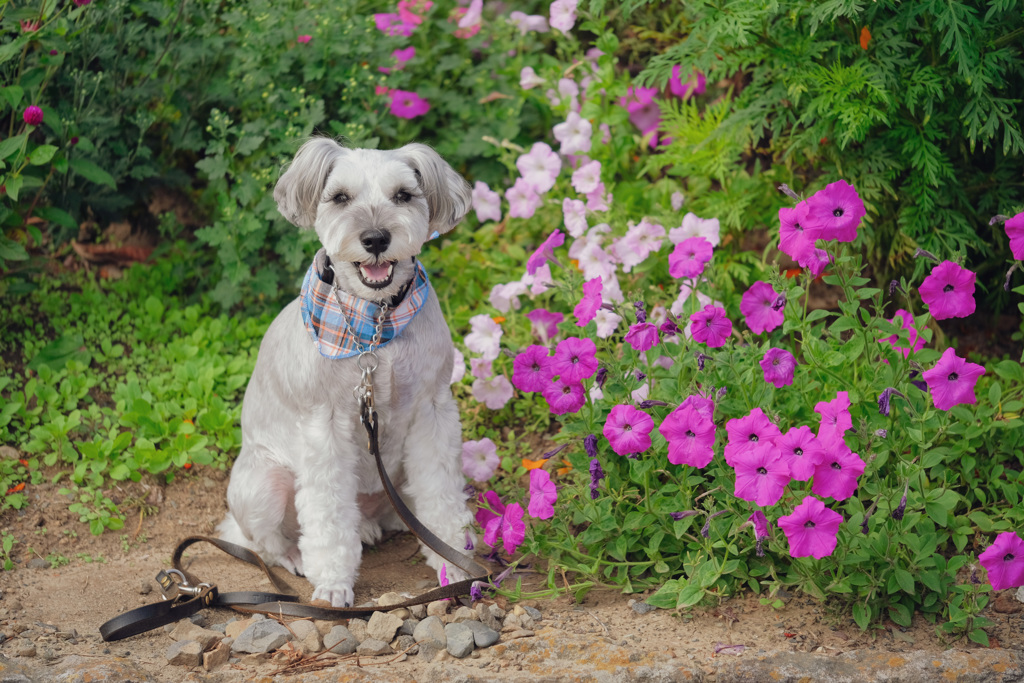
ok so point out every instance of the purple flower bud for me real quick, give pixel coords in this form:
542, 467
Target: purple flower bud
600, 377
779, 303
596, 475
884, 399
898, 513
721, 394
556, 451
705, 530
998, 218
785, 189
469, 542
682, 515
974, 577
475, 593
1009, 273
760, 547
921, 253
590, 445
669, 328
641, 311
881, 433
701, 359
468, 491
640, 377
650, 403
864, 524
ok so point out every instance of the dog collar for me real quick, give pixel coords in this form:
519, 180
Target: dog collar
338, 330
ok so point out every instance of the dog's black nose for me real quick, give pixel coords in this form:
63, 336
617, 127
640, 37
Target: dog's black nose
375, 240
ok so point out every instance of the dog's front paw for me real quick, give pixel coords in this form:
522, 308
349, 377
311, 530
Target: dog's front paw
292, 561
337, 595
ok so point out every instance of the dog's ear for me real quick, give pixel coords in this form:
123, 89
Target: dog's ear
449, 197
298, 191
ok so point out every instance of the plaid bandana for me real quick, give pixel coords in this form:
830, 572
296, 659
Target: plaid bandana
336, 330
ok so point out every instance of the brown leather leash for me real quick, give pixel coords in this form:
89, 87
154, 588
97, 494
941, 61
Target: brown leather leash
184, 594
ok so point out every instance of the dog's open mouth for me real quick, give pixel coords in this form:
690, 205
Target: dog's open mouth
376, 276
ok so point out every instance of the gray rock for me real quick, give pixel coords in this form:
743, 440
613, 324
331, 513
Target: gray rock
1020, 594
371, 647
463, 614
510, 623
418, 611
358, 628
483, 636
186, 630
185, 653
25, 648
641, 607
431, 631
460, 640
307, 636
405, 644
383, 626
429, 651
340, 640
408, 627
199, 619
533, 612
262, 636
389, 599
38, 563
483, 613
496, 611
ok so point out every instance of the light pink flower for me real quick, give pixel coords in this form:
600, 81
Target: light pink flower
540, 167
693, 226
587, 177
527, 23
677, 200
480, 459
485, 337
493, 393
574, 133
509, 527
607, 322
304, 38
563, 15
393, 25
473, 15
486, 202
543, 495
540, 281
574, 215
481, 368
505, 296
458, 367
689, 257
598, 199
588, 306
545, 323
528, 78
523, 200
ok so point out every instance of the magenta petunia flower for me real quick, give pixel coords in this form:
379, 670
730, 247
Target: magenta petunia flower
696, 83
642, 336
392, 25
509, 527
948, 291
564, 397
951, 381
689, 257
690, 436
710, 326
793, 238
32, 115
802, 450
489, 506
836, 474
407, 105
748, 432
1015, 231
906, 320
757, 306
544, 323
703, 406
304, 38
815, 261
587, 308
545, 252
543, 495
628, 430
778, 366
835, 212
575, 359
835, 418
643, 111
761, 474
531, 369
761, 525
1004, 561
811, 529
480, 459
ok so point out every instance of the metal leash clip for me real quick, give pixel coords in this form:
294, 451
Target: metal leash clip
181, 586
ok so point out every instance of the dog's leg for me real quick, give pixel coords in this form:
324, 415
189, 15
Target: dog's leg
435, 483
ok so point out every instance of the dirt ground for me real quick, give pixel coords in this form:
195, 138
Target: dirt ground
100, 577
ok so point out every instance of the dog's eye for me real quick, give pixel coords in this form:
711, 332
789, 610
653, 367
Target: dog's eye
341, 198
402, 197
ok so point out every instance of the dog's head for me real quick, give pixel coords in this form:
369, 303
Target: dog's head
372, 209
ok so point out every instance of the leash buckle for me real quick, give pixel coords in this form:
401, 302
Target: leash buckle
181, 586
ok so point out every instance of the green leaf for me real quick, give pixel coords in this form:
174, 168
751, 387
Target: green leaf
12, 94
905, 580
690, 596
41, 155
57, 353
979, 636
11, 146
900, 614
1010, 370
11, 250
92, 172
14, 186
862, 615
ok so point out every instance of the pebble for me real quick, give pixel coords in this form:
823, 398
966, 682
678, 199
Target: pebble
463, 614
405, 643
641, 607
408, 627
38, 563
533, 612
146, 587
483, 613
483, 636
383, 626
389, 599
432, 632
429, 651
307, 636
263, 636
25, 648
460, 639
199, 619
186, 630
519, 634
340, 640
358, 629
371, 647
418, 611
438, 608
186, 653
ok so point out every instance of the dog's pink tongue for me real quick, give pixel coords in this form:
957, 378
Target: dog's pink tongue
376, 272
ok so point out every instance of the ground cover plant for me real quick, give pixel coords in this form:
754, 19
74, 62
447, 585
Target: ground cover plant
715, 419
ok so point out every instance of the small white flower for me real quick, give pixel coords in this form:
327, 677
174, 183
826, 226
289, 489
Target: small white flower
480, 459
485, 338
528, 78
493, 393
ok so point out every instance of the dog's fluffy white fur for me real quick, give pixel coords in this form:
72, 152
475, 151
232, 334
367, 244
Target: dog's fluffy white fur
304, 492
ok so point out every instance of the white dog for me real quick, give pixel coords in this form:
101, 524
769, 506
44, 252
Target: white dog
304, 491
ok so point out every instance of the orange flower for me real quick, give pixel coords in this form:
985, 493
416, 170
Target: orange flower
865, 38
564, 470
187, 466
793, 272
24, 462
16, 489
533, 464
498, 319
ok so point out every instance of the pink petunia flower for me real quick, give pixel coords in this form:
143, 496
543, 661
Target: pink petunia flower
574, 213
1004, 561
505, 296
815, 261
696, 84
540, 281
761, 474
835, 418
486, 202
710, 326
628, 430
835, 212
403, 55
562, 15
811, 529
407, 105
458, 366
485, 337
758, 307
588, 306
587, 177
598, 200
704, 406
527, 23
836, 474
393, 25
793, 238
948, 291
531, 369
544, 323
564, 397
676, 200
639, 242
607, 322
480, 459
690, 436
304, 39
575, 359
642, 336
543, 495
747, 433
414, 11
528, 78
493, 393
906, 320
694, 226
574, 133
539, 167
643, 111
1015, 231
689, 257
761, 524
32, 115
481, 368
489, 506
545, 252
509, 527
778, 366
802, 450
951, 381
523, 200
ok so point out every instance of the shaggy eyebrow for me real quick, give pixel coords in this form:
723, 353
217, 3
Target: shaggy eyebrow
331, 191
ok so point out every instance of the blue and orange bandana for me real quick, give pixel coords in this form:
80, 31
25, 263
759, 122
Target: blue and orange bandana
338, 330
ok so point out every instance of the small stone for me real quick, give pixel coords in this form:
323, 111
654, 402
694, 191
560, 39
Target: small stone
483, 613
418, 611
371, 647
389, 599
324, 626
186, 653
463, 614
460, 640
307, 636
526, 621
234, 628
358, 628
518, 611
533, 612
186, 630
258, 617
496, 611
217, 656
408, 627
25, 648
429, 651
1020, 594
431, 631
199, 619
383, 626
438, 608
402, 613
340, 640
405, 643
219, 628
146, 587
511, 623
519, 634
263, 636
482, 635
642, 607
38, 563
14, 605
